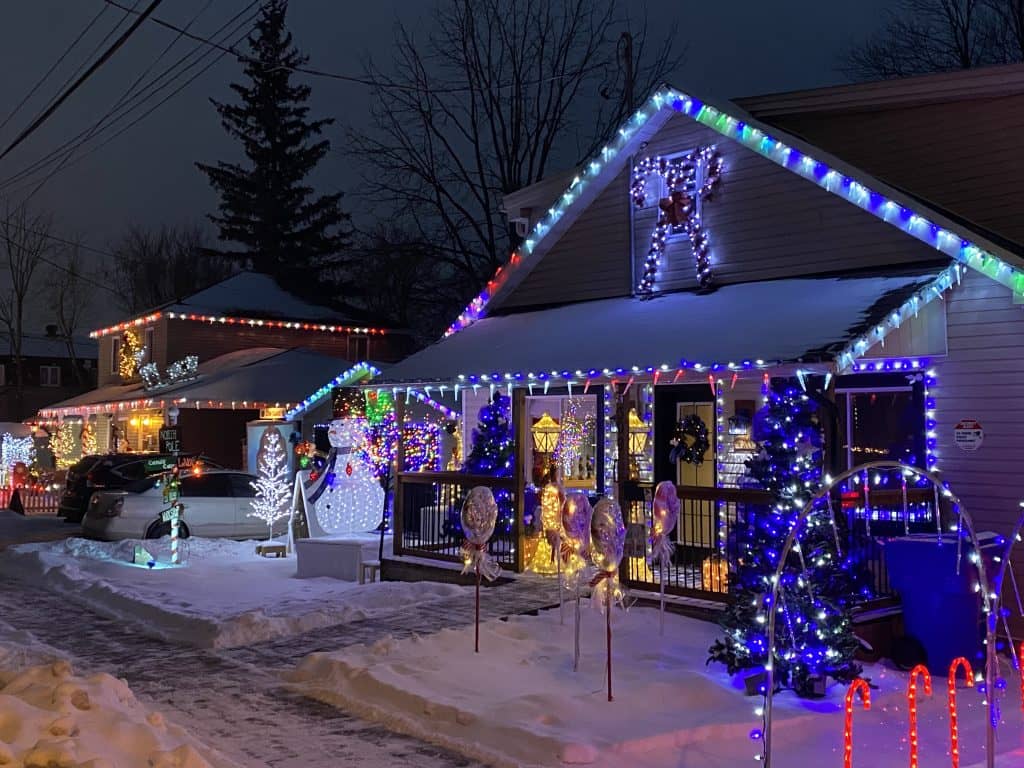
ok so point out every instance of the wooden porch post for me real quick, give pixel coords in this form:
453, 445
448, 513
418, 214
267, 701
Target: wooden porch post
521, 444
398, 507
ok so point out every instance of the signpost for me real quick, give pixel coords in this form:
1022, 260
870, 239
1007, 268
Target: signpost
170, 440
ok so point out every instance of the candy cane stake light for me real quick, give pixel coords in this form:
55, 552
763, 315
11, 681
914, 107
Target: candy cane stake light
861, 687
954, 731
920, 671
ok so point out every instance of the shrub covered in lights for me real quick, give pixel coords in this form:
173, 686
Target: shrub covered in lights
814, 631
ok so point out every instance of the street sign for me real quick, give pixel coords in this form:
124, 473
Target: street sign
170, 440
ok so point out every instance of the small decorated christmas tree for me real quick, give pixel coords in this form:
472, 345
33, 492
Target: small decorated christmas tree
272, 489
62, 445
814, 636
492, 449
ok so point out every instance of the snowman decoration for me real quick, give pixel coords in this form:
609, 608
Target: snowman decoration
347, 497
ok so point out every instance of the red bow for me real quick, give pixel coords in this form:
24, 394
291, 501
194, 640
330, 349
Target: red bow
602, 576
675, 209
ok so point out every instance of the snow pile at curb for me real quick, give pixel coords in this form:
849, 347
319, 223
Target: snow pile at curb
225, 596
54, 718
518, 702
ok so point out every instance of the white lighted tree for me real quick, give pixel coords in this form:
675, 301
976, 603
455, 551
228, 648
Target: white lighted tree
272, 489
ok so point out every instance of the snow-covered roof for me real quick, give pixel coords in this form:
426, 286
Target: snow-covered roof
955, 239
770, 322
40, 345
248, 378
250, 294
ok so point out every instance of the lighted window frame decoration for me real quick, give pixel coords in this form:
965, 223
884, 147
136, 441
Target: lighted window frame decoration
942, 238
689, 179
293, 325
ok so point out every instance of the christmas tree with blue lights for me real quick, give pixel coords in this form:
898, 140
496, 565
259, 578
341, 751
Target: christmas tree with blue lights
492, 450
813, 630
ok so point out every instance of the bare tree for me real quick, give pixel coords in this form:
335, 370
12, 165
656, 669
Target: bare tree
153, 267
484, 104
922, 36
25, 242
70, 296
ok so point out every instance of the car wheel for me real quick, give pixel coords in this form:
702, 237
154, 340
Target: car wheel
160, 528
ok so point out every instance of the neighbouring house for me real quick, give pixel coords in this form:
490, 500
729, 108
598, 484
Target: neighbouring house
862, 242
51, 373
241, 352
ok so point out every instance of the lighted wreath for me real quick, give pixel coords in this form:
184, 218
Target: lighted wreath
690, 440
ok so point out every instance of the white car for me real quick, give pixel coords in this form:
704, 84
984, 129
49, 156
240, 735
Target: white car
216, 503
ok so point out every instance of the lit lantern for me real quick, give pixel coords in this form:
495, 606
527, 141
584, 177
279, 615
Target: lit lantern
545, 434
637, 433
715, 573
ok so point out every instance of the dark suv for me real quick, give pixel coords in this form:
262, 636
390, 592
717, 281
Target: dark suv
112, 472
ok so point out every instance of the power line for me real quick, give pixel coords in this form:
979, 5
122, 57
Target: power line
125, 106
107, 54
53, 67
351, 78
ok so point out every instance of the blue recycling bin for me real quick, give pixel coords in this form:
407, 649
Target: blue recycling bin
941, 610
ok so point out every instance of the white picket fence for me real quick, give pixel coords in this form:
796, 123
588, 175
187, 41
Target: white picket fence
34, 502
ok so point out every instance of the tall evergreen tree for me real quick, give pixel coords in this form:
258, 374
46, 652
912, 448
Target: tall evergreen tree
267, 208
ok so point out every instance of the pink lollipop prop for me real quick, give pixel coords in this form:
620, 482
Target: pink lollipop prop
607, 542
664, 515
576, 515
479, 516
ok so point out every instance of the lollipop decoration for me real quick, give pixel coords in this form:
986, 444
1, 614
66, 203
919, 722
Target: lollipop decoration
479, 515
576, 516
551, 500
607, 541
663, 521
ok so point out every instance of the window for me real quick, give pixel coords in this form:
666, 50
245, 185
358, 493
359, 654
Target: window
209, 486
241, 486
115, 353
881, 418
49, 375
149, 345
358, 348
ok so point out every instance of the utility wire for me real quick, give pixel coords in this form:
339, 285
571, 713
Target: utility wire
124, 107
53, 67
349, 78
107, 54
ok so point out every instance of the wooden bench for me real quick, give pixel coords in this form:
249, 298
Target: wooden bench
369, 568
272, 550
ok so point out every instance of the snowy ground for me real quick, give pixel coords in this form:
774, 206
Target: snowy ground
50, 716
224, 596
518, 702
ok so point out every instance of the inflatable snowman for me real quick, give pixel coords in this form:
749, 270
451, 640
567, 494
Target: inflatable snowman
347, 497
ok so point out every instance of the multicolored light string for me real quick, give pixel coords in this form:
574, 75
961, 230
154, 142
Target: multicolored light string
295, 325
351, 376
920, 671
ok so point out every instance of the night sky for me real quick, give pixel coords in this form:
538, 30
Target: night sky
147, 175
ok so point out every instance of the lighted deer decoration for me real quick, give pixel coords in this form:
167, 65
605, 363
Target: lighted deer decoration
954, 731
861, 687
920, 671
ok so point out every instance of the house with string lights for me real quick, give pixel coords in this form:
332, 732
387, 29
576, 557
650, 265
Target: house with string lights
241, 352
860, 243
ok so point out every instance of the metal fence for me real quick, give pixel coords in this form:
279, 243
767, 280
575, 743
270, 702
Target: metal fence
427, 516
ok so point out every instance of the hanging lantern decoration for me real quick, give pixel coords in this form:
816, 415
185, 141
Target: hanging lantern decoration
545, 434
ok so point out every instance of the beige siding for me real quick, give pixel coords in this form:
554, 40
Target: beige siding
965, 156
983, 378
921, 336
766, 222
590, 261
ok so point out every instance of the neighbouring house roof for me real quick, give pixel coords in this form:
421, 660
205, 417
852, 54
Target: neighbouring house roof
252, 298
248, 378
915, 218
737, 326
41, 345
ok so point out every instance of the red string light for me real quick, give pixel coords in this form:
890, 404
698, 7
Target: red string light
954, 732
1020, 668
861, 687
919, 671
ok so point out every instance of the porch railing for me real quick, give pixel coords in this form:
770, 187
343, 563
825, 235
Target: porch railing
706, 549
427, 515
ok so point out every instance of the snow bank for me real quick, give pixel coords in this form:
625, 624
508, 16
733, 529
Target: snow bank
518, 702
224, 596
53, 718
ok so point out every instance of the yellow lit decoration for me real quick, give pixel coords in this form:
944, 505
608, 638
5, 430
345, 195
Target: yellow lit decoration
545, 434
542, 558
637, 433
88, 438
715, 573
62, 445
129, 355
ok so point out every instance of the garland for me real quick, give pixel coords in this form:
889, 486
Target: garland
690, 441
